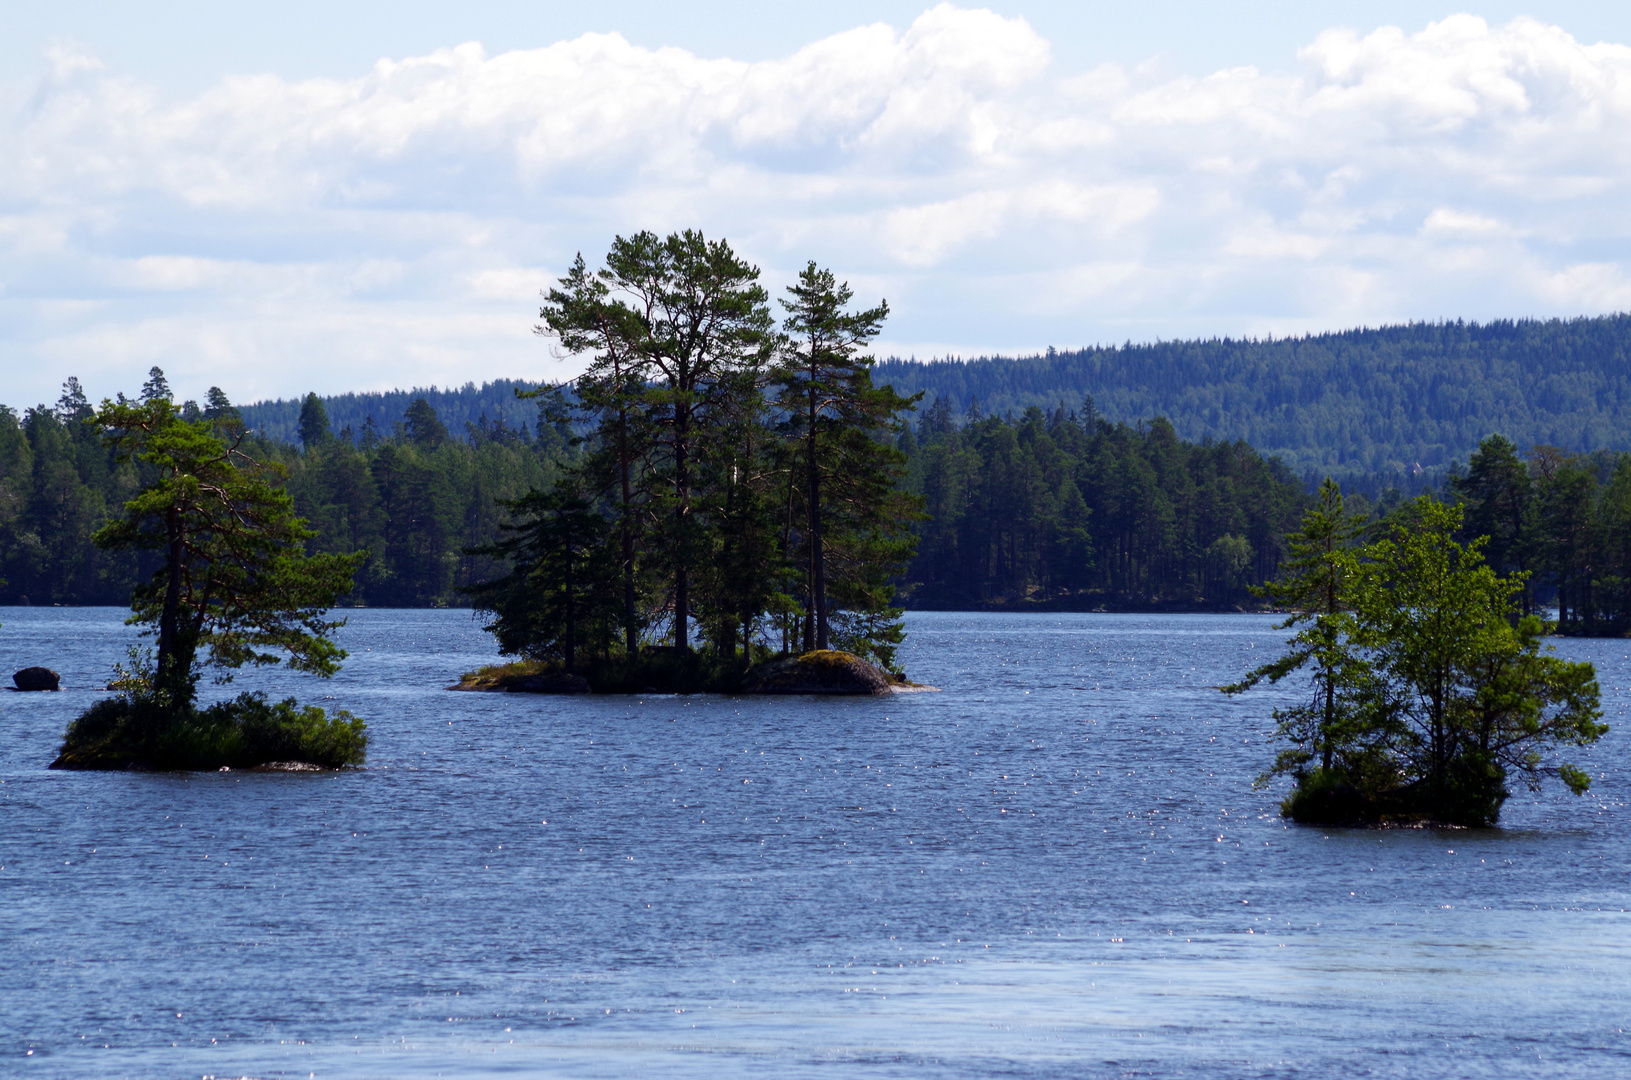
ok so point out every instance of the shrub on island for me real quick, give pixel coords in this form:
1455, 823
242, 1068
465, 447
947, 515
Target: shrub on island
666, 671
130, 732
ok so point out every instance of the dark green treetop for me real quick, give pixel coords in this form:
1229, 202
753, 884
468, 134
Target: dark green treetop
314, 426
834, 415
236, 582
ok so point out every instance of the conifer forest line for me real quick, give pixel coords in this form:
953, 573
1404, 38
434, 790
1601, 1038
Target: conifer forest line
1047, 510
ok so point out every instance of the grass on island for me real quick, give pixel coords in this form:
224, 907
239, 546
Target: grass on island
132, 732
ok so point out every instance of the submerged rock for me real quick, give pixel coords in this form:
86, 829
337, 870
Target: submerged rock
825, 671
36, 678
288, 766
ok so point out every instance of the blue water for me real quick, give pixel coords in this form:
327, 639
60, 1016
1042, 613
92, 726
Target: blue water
1056, 867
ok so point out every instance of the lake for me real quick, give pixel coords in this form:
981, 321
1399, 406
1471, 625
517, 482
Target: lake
1056, 867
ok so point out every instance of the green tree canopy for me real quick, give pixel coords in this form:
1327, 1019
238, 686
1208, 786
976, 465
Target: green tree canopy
1448, 691
314, 427
833, 416
236, 582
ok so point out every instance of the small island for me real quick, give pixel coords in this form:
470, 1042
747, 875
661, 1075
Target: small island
822, 673
1431, 685
235, 587
733, 518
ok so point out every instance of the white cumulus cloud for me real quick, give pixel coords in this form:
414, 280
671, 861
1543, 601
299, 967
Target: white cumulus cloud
273, 236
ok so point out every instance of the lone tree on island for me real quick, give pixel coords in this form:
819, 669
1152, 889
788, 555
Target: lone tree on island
1440, 690
236, 587
236, 581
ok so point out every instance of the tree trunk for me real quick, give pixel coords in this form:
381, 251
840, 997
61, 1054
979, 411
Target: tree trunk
818, 563
682, 506
169, 679
631, 632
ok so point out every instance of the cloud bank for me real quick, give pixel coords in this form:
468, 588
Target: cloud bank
273, 236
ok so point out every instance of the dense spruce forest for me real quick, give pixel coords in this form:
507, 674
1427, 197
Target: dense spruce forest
1395, 406
1384, 407
414, 497
1036, 493
377, 413
1041, 510
1068, 511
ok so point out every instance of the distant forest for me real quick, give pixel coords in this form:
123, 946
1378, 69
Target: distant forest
1059, 511
1390, 407
1384, 407
1050, 510
380, 412
1143, 476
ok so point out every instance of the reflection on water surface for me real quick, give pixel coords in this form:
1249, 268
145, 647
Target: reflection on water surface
1056, 867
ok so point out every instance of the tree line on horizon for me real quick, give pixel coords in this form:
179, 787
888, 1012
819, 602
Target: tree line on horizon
413, 497
1058, 509
1374, 408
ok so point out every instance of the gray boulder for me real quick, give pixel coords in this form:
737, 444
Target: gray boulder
826, 671
36, 678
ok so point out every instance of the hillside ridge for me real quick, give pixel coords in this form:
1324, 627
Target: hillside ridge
1406, 400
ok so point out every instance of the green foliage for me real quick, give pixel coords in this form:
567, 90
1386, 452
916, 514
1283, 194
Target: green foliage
1365, 404
135, 731
490, 405
1443, 691
559, 596
852, 519
704, 518
1314, 583
1069, 512
235, 582
314, 427
423, 427
407, 508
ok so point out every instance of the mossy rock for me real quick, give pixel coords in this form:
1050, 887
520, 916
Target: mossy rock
825, 671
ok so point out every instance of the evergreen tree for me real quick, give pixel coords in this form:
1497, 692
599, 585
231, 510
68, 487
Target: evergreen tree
832, 412
1313, 582
582, 314
699, 321
157, 387
219, 410
234, 581
424, 428
554, 601
314, 429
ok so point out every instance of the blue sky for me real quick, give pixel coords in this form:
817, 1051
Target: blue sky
277, 198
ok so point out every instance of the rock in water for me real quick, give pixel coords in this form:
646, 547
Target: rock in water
825, 671
36, 678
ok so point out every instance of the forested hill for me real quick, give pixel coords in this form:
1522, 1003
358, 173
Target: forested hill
490, 402
1355, 403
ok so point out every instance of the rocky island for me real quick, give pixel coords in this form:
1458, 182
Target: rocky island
821, 672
